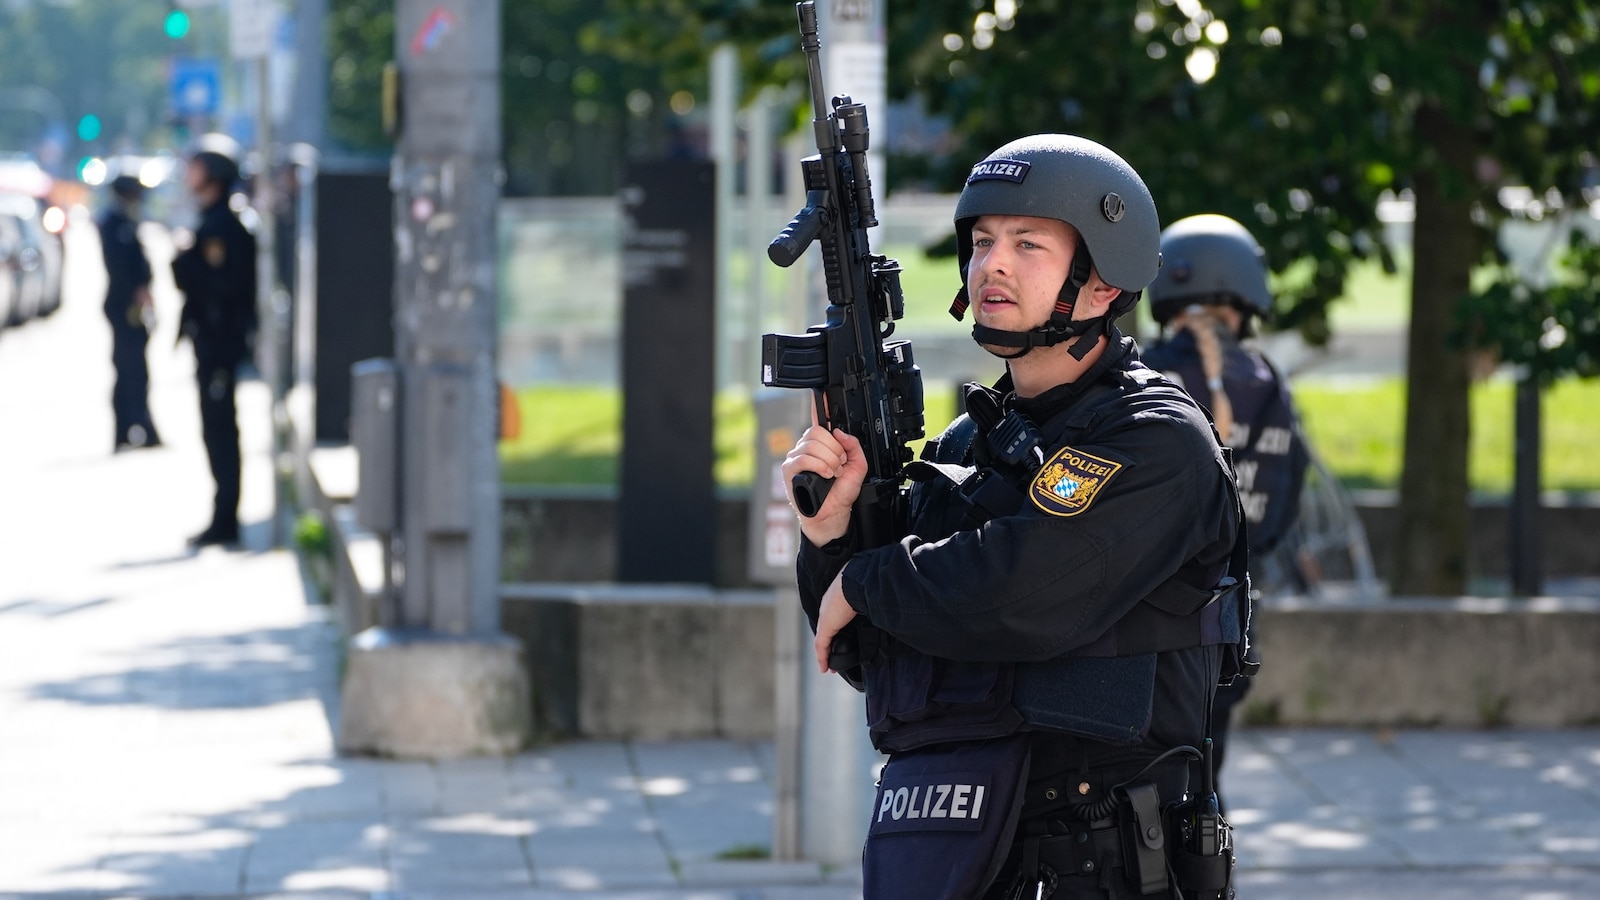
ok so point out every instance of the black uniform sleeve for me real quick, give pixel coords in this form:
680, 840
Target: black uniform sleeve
188, 270
815, 569
1034, 585
139, 264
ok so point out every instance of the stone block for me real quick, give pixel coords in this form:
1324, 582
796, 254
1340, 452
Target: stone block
418, 695
1467, 662
645, 661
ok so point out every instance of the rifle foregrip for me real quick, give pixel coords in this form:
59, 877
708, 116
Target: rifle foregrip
792, 242
810, 489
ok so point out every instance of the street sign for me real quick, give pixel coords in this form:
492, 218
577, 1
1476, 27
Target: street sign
195, 87
252, 26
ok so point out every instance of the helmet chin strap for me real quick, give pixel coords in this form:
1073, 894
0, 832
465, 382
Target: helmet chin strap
1087, 331
1060, 327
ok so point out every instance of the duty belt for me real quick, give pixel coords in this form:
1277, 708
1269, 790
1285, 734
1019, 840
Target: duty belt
1074, 796
1079, 829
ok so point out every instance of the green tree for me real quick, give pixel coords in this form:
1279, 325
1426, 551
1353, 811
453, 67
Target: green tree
1296, 118
107, 59
585, 87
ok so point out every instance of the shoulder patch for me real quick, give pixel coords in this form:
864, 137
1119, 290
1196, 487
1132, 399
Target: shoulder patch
1069, 481
216, 252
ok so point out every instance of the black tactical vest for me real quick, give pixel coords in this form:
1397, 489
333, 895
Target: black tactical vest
976, 470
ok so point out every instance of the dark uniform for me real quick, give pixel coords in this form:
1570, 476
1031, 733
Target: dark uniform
217, 275
127, 272
1040, 652
1044, 587
1268, 454
1212, 259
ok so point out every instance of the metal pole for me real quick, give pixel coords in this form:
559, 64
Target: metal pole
310, 110
271, 357
724, 142
302, 372
788, 635
1525, 544
758, 197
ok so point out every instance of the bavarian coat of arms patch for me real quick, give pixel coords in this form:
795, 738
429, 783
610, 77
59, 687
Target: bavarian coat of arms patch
1069, 481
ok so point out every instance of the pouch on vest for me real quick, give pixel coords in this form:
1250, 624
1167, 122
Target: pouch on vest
915, 700
943, 820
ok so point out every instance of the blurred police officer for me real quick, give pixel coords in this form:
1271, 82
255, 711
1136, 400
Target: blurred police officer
217, 274
1039, 654
128, 306
1211, 287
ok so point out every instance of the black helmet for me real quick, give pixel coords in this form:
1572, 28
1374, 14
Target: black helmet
127, 187
1210, 259
218, 154
1080, 182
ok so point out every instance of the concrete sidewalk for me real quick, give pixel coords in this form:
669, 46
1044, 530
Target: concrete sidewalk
165, 722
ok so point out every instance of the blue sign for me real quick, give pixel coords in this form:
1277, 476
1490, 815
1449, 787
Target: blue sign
196, 87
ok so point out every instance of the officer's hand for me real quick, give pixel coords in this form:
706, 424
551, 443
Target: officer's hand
835, 455
833, 615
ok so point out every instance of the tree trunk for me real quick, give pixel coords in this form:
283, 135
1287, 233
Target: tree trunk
1431, 544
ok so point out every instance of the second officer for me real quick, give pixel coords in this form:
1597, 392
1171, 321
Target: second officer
217, 275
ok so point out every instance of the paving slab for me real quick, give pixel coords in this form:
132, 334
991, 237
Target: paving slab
433, 859
321, 855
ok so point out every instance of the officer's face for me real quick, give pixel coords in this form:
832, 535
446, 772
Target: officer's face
1018, 266
195, 177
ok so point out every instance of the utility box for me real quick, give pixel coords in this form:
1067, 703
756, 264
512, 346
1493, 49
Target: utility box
375, 433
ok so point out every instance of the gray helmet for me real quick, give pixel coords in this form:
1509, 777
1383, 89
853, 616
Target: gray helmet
1075, 180
1080, 183
1210, 259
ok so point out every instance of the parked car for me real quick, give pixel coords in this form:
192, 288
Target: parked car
12, 272
35, 257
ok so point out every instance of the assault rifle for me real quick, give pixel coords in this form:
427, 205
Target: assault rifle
861, 381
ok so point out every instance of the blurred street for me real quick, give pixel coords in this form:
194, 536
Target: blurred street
165, 719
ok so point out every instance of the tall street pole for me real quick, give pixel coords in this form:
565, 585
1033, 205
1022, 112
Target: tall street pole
440, 678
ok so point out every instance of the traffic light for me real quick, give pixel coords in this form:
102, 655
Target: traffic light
176, 24
89, 128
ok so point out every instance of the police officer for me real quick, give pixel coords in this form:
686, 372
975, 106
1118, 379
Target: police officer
128, 306
1211, 287
1040, 651
217, 274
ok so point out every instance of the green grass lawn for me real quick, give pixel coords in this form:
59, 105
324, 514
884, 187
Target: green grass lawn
1358, 429
572, 435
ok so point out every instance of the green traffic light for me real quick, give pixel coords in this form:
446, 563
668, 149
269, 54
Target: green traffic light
89, 128
176, 24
